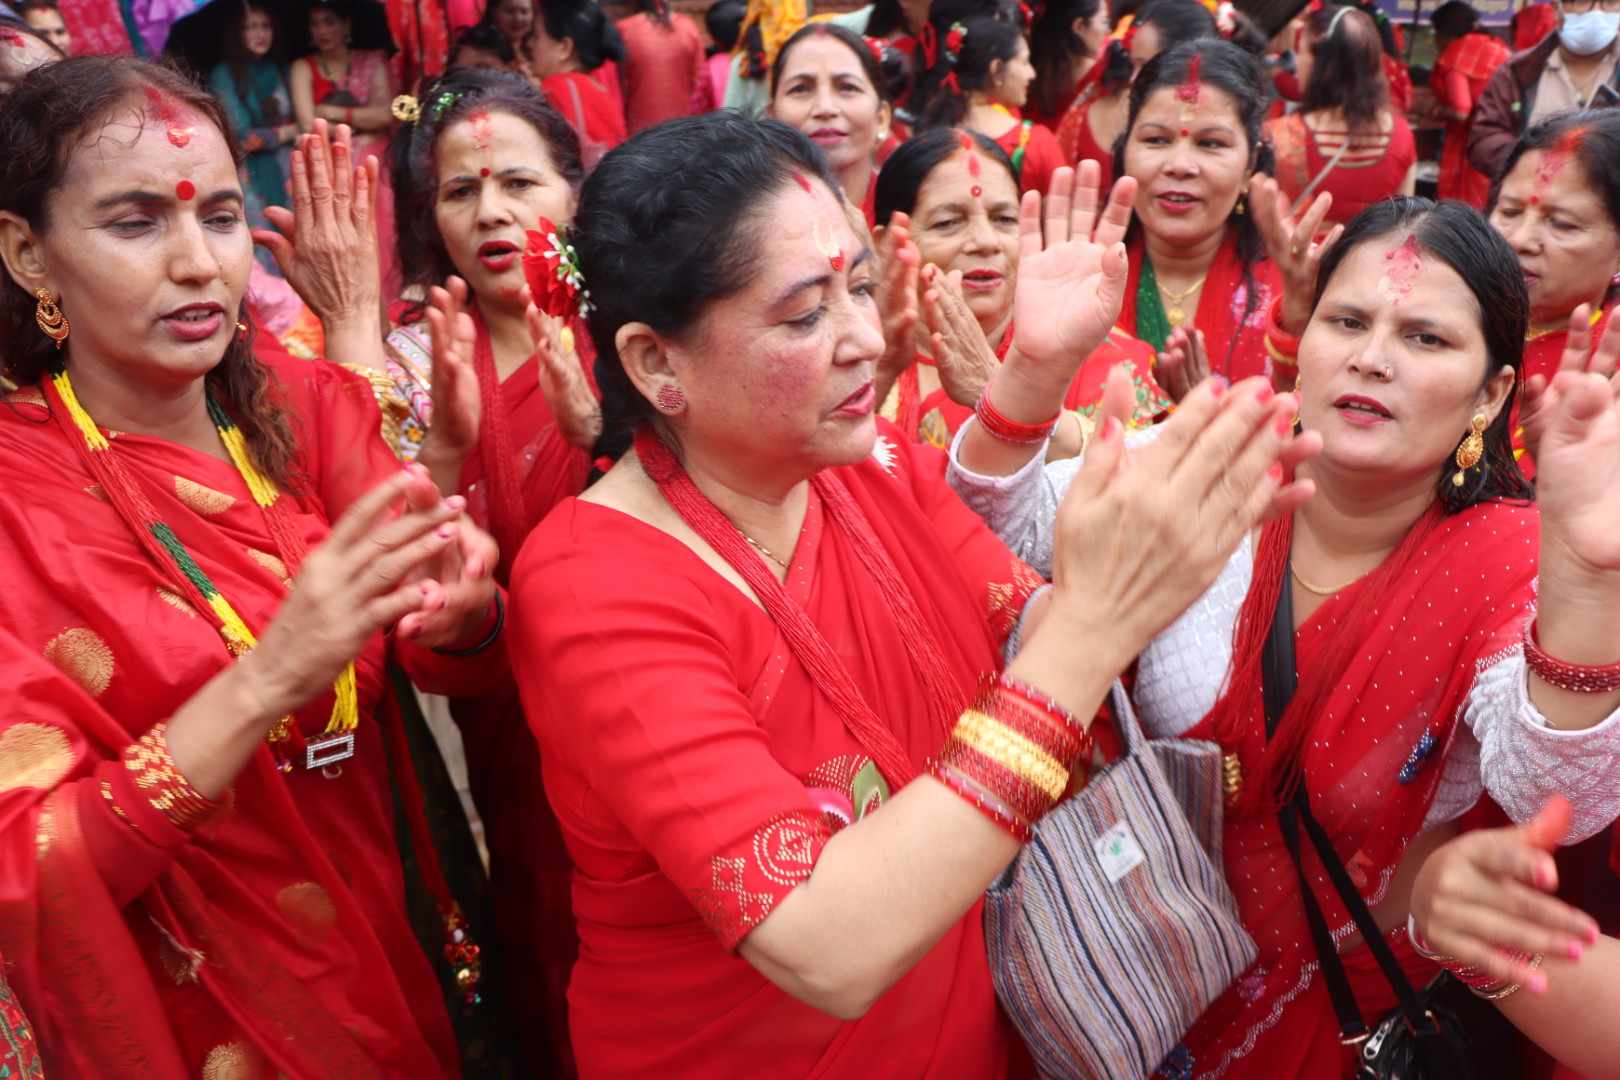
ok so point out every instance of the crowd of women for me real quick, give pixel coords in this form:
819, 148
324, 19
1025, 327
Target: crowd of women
805, 516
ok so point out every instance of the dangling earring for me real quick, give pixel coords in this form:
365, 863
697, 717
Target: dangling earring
1242, 204
671, 400
50, 318
241, 329
1471, 449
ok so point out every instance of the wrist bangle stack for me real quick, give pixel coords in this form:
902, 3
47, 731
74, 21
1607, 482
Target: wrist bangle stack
489, 639
1282, 346
155, 775
1011, 431
1011, 754
1481, 983
1576, 678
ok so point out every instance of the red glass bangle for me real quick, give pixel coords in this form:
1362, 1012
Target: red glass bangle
1280, 344
1015, 792
1576, 678
973, 796
1011, 431
1032, 696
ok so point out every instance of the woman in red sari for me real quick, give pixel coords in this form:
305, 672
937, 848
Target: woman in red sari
1558, 206
1345, 139
567, 47
476, 178
1094, 123
744, 643
1427, 598
1066, 41
1199, 263
1468, 58
201, 865
956, 194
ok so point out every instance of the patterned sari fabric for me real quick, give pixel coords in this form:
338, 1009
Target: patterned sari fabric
19, 1054
275, 937
698, 769
935, 419
1385, 667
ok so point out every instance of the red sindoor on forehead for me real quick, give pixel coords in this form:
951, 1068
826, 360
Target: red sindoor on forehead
1192, 87
176, 121
1555, 157
483, 131
1404, 264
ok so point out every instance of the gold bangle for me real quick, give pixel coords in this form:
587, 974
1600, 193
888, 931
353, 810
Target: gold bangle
156, 775
1013, 751
1505, 990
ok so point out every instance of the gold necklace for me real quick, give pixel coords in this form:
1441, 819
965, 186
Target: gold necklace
1174, 314
1317, 589
763, 550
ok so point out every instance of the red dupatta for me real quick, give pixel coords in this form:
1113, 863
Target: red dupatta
1542, 355
1385, 669
1233, 321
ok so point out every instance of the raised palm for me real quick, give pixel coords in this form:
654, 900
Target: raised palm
1577, 418
1071, 276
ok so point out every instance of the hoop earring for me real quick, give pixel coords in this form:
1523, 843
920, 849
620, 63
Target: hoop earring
670, 400
1471, 449
48, 314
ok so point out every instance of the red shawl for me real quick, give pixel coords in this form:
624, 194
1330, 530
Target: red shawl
596, 117
1077, 143
1233, 322
1385, 668
276, 938
1459, 78
1542, 355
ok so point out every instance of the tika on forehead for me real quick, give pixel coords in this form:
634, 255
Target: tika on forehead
831, 249
1190, 91
177, 123
1555, 157
1401, 268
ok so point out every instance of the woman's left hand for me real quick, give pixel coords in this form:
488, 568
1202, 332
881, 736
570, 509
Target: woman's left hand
1292, 245
966, 360
1183, 364
898, 262
458, 592
562, 381
1487, 891
1071, 274
1577, 452
326, 245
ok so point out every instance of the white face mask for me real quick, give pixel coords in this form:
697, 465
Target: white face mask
1590, 32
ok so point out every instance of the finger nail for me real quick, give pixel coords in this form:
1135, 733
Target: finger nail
476, 567
1575, 950
1537, 983
1275, 473
456, 502
444, 532
1112, 428
1592, 935
1285, 424
1266, 393
410, 630
1217, 389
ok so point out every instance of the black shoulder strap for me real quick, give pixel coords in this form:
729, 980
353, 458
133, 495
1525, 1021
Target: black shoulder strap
1281, 679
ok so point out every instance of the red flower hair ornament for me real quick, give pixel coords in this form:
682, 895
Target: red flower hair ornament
551, 266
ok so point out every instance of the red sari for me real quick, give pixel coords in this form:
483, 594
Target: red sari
275, 938
698, 770
1234, 327
1459, 78
1542, 354
936, 419
1077, 143
594, 114
1385, 667
1034, 152
1371, 170
521, 470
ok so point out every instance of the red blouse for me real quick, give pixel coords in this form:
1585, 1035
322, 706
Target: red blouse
1077, 143
697, 772
1034, 152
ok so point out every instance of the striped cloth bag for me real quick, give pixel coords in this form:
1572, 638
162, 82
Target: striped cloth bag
1115, 929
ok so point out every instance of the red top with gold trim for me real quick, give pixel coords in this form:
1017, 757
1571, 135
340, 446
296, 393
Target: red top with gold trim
698, 770
275, 937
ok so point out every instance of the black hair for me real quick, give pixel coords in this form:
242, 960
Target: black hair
887, 17
1453, 19
1053, 49
658, 9
984, 41
485, 37
1175, 21
25, 6
20, 27
1236, 73
1597, 152
907, 169
237, 57
413, 163
596, 40
1454, 233
849, 38
724, 21
1347, 72
42, 124
658, 245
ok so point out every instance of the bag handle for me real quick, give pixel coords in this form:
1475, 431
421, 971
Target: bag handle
1281, 678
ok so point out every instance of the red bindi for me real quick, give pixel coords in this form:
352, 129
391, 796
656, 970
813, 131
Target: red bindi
977, 191
1185, 133
185, 191
484, 171
837, 262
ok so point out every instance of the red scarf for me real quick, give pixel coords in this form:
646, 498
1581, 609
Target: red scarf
1385, 667
1233, 326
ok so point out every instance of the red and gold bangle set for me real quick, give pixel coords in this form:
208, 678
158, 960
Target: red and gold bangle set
1281, 346
155, 775
1011, 431
1012, 754
1576, 678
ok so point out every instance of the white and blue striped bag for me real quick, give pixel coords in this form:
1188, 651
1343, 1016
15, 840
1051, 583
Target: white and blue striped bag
1115, 929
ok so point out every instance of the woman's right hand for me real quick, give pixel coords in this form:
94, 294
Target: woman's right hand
562, 381
457, 405
1291, 243
1488, 891
1183, 364
1142, 534
898, 263
964, 358
1579, 356
363, 578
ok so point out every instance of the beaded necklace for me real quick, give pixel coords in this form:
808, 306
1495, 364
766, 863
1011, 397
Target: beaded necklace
165, 548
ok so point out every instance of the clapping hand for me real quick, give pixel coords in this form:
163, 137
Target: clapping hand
898, 261
457, 403
1291, 242
1183, 364
562, 381
1572, 423
965, 359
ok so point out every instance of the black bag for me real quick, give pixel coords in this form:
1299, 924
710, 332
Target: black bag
1419, 1039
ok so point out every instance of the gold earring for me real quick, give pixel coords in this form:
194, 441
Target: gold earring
1471, 449
49, 316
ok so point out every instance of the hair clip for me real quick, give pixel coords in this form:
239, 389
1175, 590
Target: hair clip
1226, 18
445, 99
551, 266
875, 45
954, 40
406, 109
